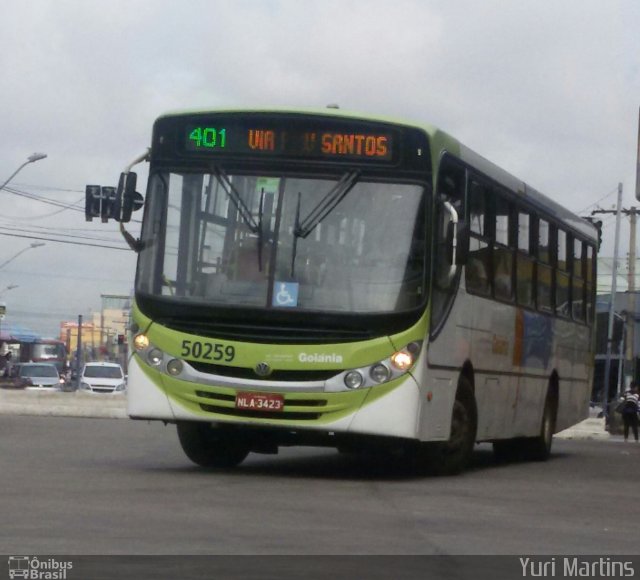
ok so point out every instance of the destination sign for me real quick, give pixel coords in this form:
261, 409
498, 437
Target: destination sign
352, 142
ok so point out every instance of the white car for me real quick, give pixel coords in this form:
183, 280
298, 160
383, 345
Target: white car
103, 377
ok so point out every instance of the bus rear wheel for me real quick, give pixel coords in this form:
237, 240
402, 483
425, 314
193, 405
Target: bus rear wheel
209, 447
531, 448
452, 456
539, 448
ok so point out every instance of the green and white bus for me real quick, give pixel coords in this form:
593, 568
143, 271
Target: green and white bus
331, 279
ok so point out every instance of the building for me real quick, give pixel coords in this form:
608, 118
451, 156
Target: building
104, 336
625, 344
113, 318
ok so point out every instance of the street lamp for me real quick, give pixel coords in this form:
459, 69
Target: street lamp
31, 159
32, 245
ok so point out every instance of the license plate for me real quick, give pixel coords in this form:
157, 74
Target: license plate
260, 402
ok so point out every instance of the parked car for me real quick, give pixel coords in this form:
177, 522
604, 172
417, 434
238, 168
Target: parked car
103, 377
38, 376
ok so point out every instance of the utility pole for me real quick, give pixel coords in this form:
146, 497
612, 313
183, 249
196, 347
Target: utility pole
79, 352
614, 280
631, 297
632, 250
632, 212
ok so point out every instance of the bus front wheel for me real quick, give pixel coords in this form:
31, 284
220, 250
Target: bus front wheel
209, 447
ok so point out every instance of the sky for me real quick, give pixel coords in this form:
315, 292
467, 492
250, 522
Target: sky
547, 89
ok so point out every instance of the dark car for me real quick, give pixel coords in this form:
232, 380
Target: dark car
38, 376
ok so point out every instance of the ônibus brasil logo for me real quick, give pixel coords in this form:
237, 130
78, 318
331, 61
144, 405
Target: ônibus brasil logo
33, 568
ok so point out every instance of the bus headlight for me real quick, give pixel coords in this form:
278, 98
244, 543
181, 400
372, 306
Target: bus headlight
154, 356
379, 373
140, 341
402, 360
353, 380
174, 367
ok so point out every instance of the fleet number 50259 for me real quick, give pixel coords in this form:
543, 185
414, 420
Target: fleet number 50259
208, 350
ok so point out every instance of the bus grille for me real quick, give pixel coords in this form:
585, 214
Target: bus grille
277, 375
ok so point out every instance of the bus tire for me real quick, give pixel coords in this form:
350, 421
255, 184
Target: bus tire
208, 447
453, 456
531, 448
539, 448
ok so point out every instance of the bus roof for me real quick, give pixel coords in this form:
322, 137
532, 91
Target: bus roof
443, 142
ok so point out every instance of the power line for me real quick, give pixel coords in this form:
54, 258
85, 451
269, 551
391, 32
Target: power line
42, 199
126, 248
49, 187
614, 190
54, 232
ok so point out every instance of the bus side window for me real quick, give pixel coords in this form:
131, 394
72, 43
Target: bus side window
577, 281
478, 267
562, 275
544, 269
589, 287
503, 253
524, 261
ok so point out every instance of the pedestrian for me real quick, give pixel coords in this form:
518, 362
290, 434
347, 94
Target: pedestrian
629, 407
7, 365
5, 356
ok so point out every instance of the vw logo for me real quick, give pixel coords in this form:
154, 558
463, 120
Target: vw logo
262, 369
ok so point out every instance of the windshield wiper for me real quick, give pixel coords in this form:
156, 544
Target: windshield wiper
334, 196
328, 203
260, 229
236, 198
241, 206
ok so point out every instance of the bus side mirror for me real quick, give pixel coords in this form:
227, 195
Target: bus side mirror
128, 199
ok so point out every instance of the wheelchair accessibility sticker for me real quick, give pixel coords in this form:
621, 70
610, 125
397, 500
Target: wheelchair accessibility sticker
285, 294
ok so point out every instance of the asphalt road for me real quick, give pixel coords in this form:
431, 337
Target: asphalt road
111, 486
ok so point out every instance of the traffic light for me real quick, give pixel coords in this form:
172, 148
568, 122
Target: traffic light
121, 339
108, 209
113, 203
598, 224
92, 202
100, 202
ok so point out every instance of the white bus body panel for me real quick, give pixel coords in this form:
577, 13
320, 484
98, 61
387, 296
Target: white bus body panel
395, 415
513, 353
144, 398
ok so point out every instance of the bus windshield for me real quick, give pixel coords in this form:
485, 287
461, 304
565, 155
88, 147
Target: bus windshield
343, 243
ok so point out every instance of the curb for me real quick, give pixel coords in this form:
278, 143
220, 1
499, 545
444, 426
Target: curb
62, 404
88, 405
592, 428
